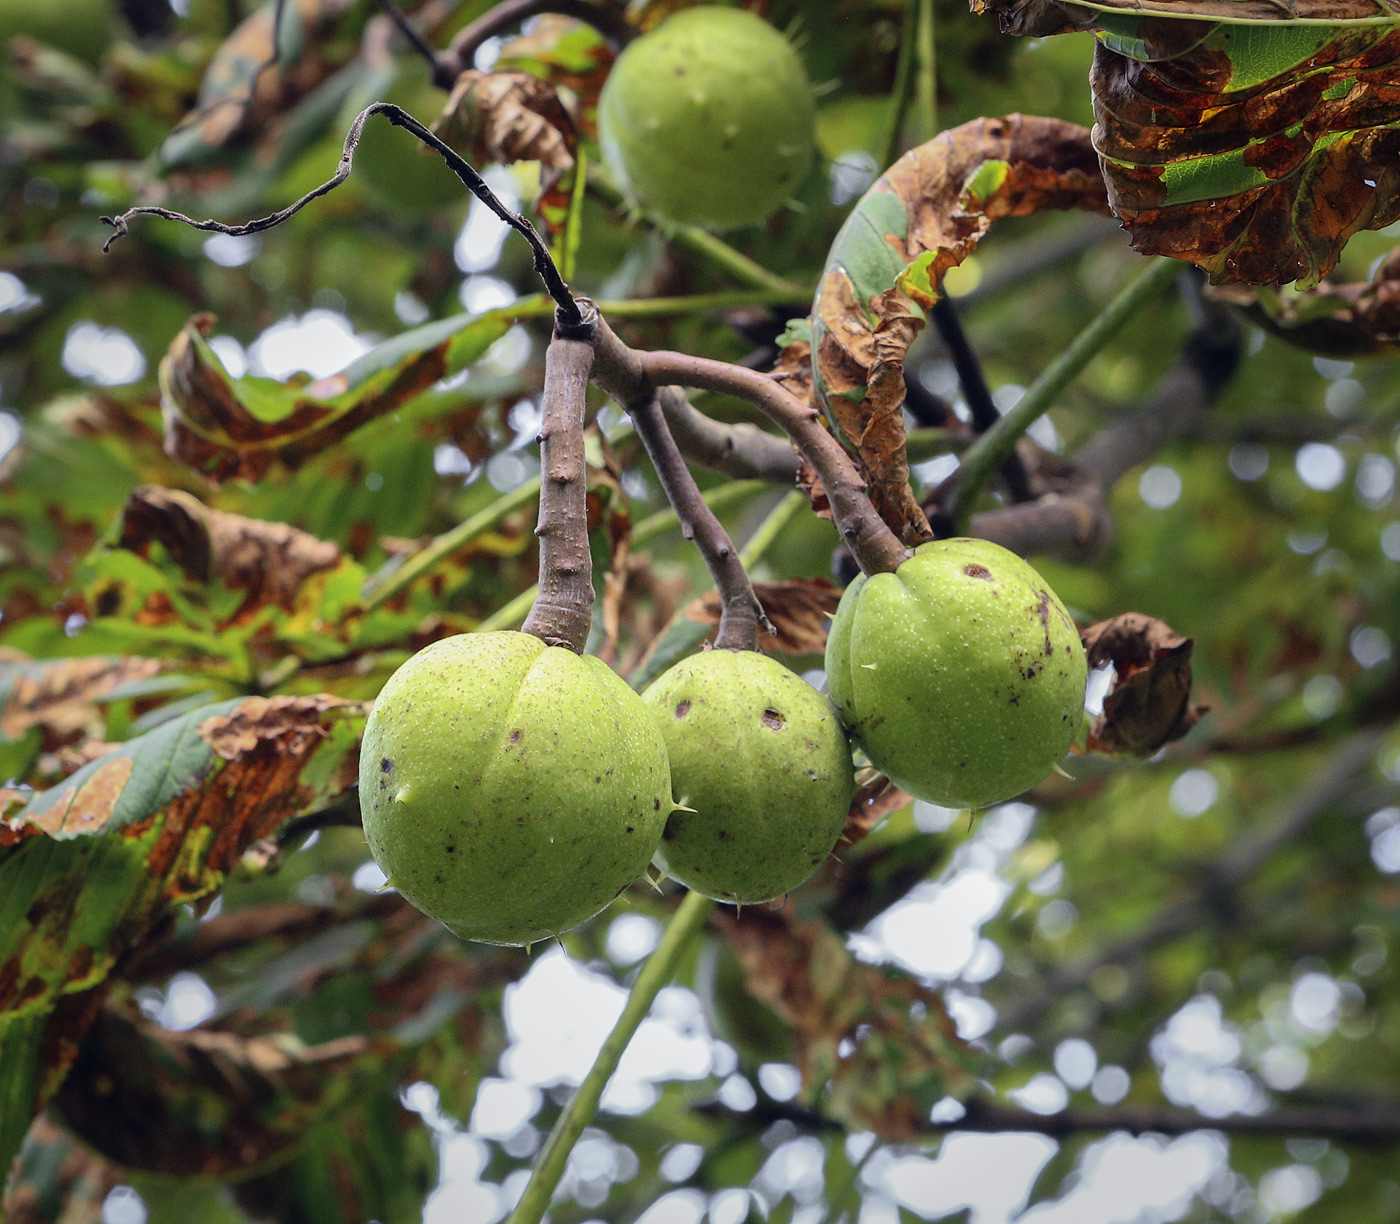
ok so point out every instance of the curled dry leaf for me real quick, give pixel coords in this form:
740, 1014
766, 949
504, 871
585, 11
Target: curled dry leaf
1254, 153
1337, 320
1150, 702
153, 825
269, 560
61, 696
873, 801
849, 1019
800, 609
567, 54
506, 117
925, 215
227, 428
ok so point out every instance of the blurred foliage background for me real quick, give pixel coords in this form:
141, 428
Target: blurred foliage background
1162, 986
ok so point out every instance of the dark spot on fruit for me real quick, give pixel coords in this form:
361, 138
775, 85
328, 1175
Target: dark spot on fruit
515, 735
773, 720
598, 779
386, 765
656, 805
978, 571
724, 835
451, 849
630, 829
683, 709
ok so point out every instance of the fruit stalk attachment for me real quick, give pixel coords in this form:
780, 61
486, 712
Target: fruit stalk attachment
629, 374
563, 609
684, 925
740, 612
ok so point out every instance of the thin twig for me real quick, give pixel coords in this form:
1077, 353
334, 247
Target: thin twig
563, 610
976, 392
726, 495
440, 66
992, 448
570, 315
607, 20
874, 546
740, 611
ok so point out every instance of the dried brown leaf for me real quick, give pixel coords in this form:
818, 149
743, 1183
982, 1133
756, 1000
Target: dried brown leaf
922, 217
506, 117
268, 560
1150, 703
60, 696
800, 609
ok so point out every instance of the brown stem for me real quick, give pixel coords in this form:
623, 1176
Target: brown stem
740, 611
872, 543
461, 52
741, 452
563, 609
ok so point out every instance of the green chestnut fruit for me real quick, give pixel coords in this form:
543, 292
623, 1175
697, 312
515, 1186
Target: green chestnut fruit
511, 789
760, 757
709, 119
960, 674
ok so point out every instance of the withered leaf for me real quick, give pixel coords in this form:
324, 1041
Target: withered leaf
567, 54
1038, 18
268, 560
800, 609
136, 1093
876, 1049
1336, 319
506, 117
1150, 702
923, 216
60, 696
228, 428
1253, 153
872, 802
103, 859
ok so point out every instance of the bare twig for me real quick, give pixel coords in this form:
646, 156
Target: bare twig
740, 611
1363, 1122
604, 18
570, 315
563, 609
441, 67
872, 543
741, 452
1216, 880
976, 392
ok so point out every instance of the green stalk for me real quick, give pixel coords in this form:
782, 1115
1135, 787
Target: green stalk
450, 541
684, 925
713, 250
903, 81
642, 308
928, 74
649, 528
986, 454
768, 530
